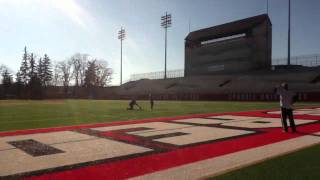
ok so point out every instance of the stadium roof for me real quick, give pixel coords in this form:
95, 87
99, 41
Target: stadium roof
228, 29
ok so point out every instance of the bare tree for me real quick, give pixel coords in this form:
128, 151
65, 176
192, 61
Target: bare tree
57, 75
91, 75
79, 65
64, 69
3, 69
83, 68
76, 65
103, 73
98, 73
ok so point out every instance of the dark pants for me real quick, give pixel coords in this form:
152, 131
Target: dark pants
287, 113
131, 106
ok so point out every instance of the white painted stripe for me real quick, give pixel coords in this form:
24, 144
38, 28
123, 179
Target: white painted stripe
222, 164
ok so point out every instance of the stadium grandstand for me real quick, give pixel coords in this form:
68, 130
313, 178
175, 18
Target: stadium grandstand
231, 61
255, 85
311, 60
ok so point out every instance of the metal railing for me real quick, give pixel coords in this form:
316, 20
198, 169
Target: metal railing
158, 75
304, 60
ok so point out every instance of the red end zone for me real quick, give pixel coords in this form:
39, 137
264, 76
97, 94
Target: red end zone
135, 148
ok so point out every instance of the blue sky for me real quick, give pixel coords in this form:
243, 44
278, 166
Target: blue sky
61, 28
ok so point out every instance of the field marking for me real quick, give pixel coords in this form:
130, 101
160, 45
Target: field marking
192, 135
47, 138
15, 161
156, 126
222, 164
242, 121
197, 134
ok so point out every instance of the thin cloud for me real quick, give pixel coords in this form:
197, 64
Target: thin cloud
69, 8
73, 10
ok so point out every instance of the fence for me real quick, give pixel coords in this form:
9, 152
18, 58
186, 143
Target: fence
158, 75
58, 92
302, 96
304, 60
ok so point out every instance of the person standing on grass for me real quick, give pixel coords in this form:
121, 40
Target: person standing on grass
287, 98
151, 101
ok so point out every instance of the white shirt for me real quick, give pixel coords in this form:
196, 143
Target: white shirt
286, 98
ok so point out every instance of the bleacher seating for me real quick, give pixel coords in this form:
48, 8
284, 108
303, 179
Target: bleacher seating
299, 80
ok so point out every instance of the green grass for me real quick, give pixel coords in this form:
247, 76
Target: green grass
27, 114
301, 165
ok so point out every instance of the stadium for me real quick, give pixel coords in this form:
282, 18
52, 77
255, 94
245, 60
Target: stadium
217, 118
221, 63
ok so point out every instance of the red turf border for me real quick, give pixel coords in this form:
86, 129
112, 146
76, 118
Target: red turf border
147, 164
258, 113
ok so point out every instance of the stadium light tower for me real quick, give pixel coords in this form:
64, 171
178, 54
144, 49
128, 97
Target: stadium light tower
267, 33
289, 31
165, 23
267, 6
121, 36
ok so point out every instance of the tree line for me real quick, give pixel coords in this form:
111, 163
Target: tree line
38, 73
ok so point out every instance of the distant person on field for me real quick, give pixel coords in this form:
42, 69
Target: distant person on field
151, 101
133, 103
287, 98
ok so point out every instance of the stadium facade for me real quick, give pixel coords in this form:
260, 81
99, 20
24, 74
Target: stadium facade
234, 47
231, 61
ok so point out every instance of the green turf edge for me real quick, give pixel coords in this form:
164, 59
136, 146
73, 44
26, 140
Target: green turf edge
301, 164
28, 114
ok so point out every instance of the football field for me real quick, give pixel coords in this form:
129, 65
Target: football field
98, 139
19, 114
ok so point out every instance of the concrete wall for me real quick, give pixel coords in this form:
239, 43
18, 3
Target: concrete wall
241, 54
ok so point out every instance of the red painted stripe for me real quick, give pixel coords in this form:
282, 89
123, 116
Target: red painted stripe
152, 163
258, 113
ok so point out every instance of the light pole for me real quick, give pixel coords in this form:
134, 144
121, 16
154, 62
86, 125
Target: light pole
166, 22
289, 31
121, 36
267, 33
267, 6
